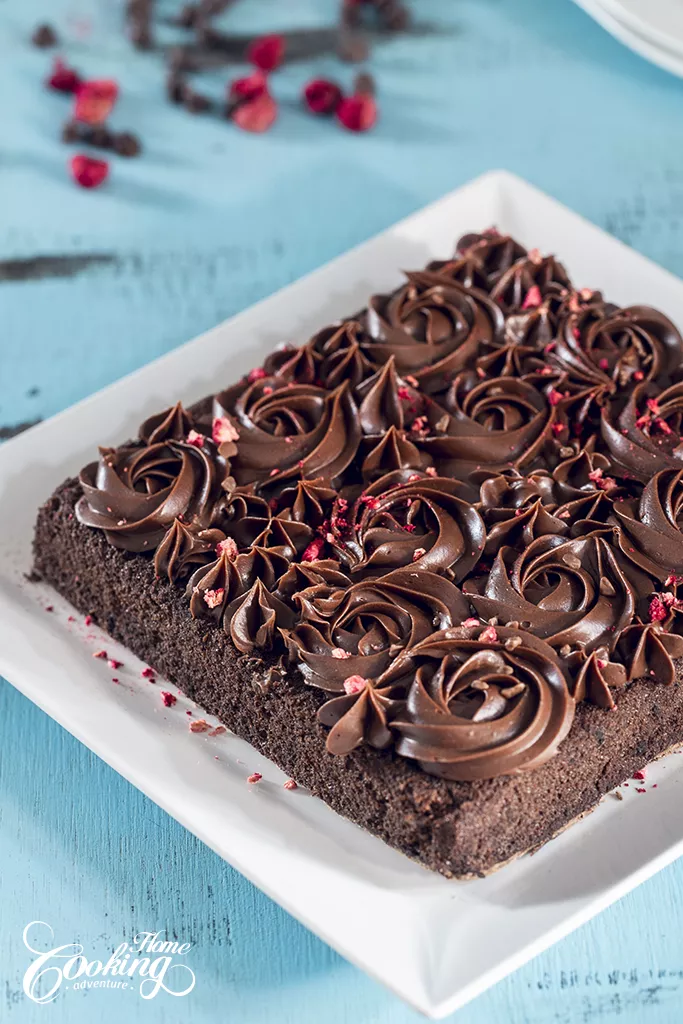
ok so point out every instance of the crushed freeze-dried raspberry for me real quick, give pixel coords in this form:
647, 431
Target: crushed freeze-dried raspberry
418, 553
322, 96
533, 298
88, 172
357, 113
100, 654
227, 547
95, 101
354, 684
312, 552
195, 438
113, 663
258, 373
657, 610
254, 777
489, 635
63, 78
218, 731
214, 598
147, 673
290, 784
470, 623
557, 428
199, 725
256, 115
640, 774
554, 396
223, 431
431, 471
340, 654
267, 52
169, 699
88, 620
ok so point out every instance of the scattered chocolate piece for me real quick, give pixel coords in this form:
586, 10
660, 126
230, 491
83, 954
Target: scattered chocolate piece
139, 16
126, 144
352, 46
195, 102
364, 84
44, 37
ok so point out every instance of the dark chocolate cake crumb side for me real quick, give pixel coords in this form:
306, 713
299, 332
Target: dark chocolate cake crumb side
457, 828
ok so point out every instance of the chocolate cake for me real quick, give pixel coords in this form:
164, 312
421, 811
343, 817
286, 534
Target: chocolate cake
428, 562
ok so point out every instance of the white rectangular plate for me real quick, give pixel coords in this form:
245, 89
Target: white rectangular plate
436, 943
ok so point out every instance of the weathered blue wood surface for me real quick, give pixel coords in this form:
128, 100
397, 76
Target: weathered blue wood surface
205, 223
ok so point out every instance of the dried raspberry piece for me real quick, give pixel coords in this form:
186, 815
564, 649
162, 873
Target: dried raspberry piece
227, 547
340, 654
147, 673
554, 396
100, 654
267, 53
63, 78
657, 610
113, 663
532, 299
169, 699
195, 438
357, 113
223, 430
254, 778
199, 725
470, 623
214, 598
488, 635
322, 96
290, 784
218, 731
256, 115
95, 100
258, 373
354, 684
88, 172
640, 774
251, 87
312, 552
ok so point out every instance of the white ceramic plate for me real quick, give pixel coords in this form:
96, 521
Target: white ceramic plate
659, 38
436, 943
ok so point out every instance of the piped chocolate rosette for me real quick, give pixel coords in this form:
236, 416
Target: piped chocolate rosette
479, 703
137, 492
457, 513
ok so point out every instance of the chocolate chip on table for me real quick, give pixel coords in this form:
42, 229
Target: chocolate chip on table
195, 102
44, 37
352, 46
364, 84
126, 144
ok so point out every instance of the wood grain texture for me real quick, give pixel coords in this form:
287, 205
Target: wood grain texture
205, 223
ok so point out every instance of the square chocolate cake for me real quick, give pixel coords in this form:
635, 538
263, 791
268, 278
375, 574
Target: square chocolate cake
428, 562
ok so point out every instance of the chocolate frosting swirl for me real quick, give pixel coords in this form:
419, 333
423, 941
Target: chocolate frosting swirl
491, 425
646, 436
569, 592
185, 547
135, 493
424, 523
432, 328
650, 534
358, 632
290, 431
480, 704
617, 348
649, 651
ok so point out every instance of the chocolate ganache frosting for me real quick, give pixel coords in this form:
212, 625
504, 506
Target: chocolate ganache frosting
454, 515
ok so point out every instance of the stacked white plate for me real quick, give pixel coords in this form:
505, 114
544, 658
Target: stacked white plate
652, 28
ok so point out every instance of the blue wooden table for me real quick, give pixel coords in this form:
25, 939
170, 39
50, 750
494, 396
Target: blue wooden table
204, 223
